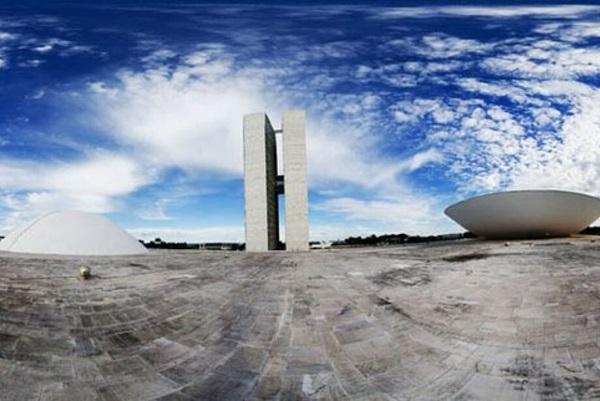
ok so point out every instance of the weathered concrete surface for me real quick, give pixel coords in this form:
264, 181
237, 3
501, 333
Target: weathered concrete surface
260, 176
453, 321
294, 169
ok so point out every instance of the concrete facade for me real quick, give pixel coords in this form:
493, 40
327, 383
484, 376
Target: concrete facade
260, 175
261, 188
294, 169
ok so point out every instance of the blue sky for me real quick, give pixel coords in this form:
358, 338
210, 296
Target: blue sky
135, 111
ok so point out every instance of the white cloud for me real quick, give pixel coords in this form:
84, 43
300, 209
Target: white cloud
439, 46
339, 49
102, 89
547, 64
559, 89
50, 44
522, 11
31, 63
573, 162
106, 175
412, 111
159, 56
337, 154
5, 36
493, 148
76, 49
188, 117
483, 11
547, 116
17, 42
5, 39
95, 184
422, 159
499, 89
433, 67
408, 213
40, 93
479, 143
570, 32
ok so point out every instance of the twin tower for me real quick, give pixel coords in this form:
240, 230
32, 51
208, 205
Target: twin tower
263, 183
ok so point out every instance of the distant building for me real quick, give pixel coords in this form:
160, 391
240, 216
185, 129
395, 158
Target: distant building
220, 246
263, 183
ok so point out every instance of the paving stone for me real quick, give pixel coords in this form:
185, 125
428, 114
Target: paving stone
352, 324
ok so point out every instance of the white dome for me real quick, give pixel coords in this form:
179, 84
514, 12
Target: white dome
72, 233
526, 214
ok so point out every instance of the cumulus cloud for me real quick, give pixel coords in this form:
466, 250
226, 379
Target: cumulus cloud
533, 125
412, 111
439, 46
490, 149
500, 88
433, 67
573, 161
95, 184
558, 63
189, 116
103, 174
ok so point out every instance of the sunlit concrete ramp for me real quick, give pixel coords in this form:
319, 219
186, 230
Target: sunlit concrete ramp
470, 320
71, 233
526, 214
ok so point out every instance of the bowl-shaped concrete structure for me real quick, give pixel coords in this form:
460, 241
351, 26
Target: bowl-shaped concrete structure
526, 214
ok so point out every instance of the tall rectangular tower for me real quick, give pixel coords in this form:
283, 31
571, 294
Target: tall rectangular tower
260, 176
295, 185
263, 185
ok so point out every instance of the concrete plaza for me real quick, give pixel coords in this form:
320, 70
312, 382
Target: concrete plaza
456, 320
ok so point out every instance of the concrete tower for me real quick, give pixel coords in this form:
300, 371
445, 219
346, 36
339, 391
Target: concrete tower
260, 180
294, 170
263, 184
